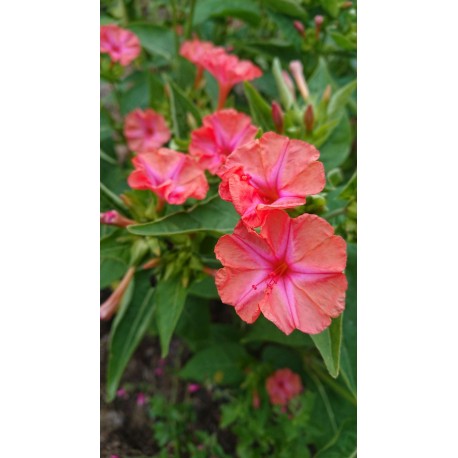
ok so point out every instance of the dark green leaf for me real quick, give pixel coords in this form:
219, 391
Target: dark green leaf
340, 98
222, 363
343, 41
265, 331
328, 343
320, 78
204, 288
214, 215
349, 191
348, 357
343, 444
331, 6
155, 39
261, 111
180, 107
114, 259
247, 11
169, 300
111, 197
338, 145
128, 329
289, 7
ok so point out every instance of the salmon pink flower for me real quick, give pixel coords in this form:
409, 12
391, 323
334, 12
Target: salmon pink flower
173, 176
222, 132
272, 172
291, 272
228, 71
145, 131
282, 386
196, 51
122, 45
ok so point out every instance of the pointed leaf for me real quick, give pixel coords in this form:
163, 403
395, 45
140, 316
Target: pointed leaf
259, 108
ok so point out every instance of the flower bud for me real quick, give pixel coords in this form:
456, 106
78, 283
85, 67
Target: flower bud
193, 387
300, 28
289, 83
346, 5
318, 22
309, 118
277, 117
298, 74
327, 94
113, 218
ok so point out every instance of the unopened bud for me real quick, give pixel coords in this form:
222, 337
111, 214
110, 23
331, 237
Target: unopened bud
111, 305
346, 5
300, 28
113, 218
298, 74
327, 94
309, 118
318, 22
289, 83
277, 117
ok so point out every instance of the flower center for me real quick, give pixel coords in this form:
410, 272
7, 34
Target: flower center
272, 278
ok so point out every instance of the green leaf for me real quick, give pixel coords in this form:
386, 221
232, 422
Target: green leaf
328, 343
337, 147
343, 444
320, 78
349, 191
222, 363
331, 6
265, 331
343, 41
247, 11
213, 214
112, 198
289, 7
137, 94
204, 288
170, 299
180, 107
128, 329
114, 259
155, 39
259, 108
348, 357
340, 98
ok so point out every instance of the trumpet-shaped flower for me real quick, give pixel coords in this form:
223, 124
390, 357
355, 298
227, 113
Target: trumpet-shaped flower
222, 132
272, 172
282, 386
228, 71
145, 131
291, 272
121, 45
173, 176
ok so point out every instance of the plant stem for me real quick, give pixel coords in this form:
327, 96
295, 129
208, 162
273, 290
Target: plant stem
191, 16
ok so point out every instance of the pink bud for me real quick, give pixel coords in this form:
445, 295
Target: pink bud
141, 399
113, 218
300, 28
289, 83
318, 22
193, 387
111, 305
298, 74
121, 393
327, 93
277, 117
309, 119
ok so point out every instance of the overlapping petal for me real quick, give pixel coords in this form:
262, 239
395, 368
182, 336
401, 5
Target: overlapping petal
173, 176
282, 171
122, 45
222, 132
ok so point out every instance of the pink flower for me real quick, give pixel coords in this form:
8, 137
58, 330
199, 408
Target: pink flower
173, 176
122, 45
222, 132
122, 393
145, 131
282, 386
272, 172
228, 71
141, 399
193, 387
291, 272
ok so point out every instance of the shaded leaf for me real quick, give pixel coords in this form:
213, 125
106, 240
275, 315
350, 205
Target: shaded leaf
155, 39
340, 98
128, 329
213, 215
328, 343
259, 108
337, 147
331, 6
169, 300
343, 444
247, 11
289, 7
